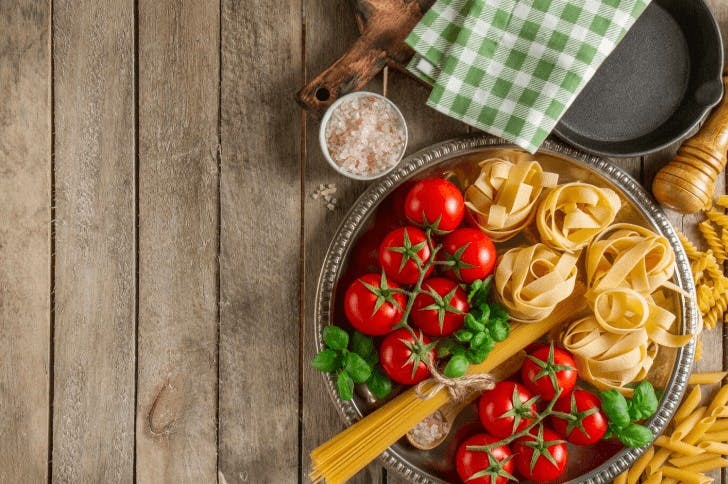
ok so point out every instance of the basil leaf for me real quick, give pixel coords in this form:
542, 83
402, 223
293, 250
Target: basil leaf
357, 368
326, 360
614, 406
498, 313
478, 339
445, 348
644, 402
472, 323
372, 359
362, 345
456, 367
635, 435
463, 335
335, 337
475, 292
499, 330
345, 385
479, 353
379, 384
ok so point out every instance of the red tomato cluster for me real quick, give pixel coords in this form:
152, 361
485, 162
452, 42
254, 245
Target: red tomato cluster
374, 303
541, 453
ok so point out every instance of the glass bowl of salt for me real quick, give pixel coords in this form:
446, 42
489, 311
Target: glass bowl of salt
363, 135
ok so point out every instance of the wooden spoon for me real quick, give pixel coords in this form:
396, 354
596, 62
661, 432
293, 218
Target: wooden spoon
450, 411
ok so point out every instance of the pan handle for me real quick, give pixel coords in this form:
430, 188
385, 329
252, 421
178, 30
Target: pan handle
349, 73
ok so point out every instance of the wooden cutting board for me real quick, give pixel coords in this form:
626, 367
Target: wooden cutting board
384, 24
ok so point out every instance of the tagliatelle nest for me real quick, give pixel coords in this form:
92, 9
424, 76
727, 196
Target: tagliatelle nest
627, 268
619, 342
502, 199
532, 281
627, 255
571, 215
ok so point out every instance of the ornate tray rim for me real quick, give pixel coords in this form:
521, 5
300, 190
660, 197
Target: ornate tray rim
418, 161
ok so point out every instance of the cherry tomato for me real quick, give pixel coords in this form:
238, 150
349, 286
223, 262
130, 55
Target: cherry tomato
361, 301
506, 409
471, 462
440, 311
435, 202
401, 356
547, 369
587, 423
540, 468
399, 252
472, 254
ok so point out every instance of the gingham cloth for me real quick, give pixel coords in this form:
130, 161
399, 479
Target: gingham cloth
513, 67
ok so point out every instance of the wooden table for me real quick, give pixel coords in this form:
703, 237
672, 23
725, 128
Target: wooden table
159, 247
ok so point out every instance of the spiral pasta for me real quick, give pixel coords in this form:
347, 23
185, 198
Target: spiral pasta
690, 250
531, 281
715, 313
502, 199
572, 214
713, 240
627, 255
722, 201
719, 219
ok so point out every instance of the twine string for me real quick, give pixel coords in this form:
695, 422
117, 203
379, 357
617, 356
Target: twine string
458, 388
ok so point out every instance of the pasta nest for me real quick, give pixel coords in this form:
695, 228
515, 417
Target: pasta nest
630, 256
571, 215
531, 281
618, 343
502, 199
627, 268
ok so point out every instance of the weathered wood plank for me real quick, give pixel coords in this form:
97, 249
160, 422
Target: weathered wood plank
260, 190
25, 243
176, 428
330, 30
93, 408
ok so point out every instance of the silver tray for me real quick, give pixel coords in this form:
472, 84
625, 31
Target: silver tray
596, 464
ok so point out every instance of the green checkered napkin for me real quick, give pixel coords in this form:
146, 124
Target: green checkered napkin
513, 67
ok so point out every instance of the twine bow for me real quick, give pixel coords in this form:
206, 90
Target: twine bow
458, 388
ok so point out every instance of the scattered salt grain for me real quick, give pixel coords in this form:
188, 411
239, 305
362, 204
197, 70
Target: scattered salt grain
324, 193
365, 135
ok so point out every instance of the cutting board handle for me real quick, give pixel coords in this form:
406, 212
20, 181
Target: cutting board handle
687, 183
349, 73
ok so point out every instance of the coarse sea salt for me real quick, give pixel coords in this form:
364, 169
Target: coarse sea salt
365, 135
429, 430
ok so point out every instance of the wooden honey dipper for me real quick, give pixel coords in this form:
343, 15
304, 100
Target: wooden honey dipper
687, 183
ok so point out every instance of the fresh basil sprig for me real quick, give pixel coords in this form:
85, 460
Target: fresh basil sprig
485, 324
351, 360
623, 414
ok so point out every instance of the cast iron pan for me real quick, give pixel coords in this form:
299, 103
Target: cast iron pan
657, 85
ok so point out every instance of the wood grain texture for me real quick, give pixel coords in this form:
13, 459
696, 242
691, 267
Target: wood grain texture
330, 29
176, 428
93, 407
25, 247
260, 196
